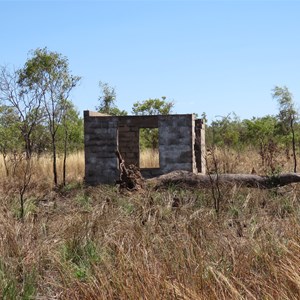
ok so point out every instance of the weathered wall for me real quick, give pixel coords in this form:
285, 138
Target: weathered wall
129, 127
176, 143
199, 147
179, 146
100, 144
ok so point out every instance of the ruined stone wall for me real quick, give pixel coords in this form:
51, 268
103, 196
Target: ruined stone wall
176, 143
100, 144
199, 147
129, 127
179, 146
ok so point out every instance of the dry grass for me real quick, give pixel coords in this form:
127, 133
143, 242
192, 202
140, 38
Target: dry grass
230, 161
149, 158
42, 174
95, 243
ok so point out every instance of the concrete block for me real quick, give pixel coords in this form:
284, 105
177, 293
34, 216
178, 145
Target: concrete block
177, 143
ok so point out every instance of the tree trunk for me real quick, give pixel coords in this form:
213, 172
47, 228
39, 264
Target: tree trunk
294, 146
22, 206
5, 164
188, 179
28, 150
54, 161
65, 160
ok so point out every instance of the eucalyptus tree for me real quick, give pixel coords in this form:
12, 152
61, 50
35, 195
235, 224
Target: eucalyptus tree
48, 74
108, 101
288, 116
261, 132
154, 106
23, 104
20, 115
225, 131
10, 135
70, 134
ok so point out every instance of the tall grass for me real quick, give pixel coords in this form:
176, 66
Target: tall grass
42, 174
95, 243
149, 158
133, 247
247, 161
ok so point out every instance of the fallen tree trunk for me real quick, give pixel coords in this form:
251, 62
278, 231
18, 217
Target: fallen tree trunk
188, 179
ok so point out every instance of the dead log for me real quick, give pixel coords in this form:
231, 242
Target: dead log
130, 178
188, 179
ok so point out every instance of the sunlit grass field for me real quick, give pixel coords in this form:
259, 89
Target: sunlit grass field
79, 242
149, 158
42, 169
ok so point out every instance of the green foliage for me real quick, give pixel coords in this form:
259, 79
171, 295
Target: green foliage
127, 207
268, 134
260, 131
225, 132
35, 113
153, 107
25, 104
47, 74
10, 135
287, 117
29, 286
47, 71
72, 186
84, 200
8, 284
70, 131
262, 134
149, 136
30, 207
287, 111
81, 255
108, 101
11, 289
203, 117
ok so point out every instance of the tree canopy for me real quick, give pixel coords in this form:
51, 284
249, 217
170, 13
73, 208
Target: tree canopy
153, 107
108, 101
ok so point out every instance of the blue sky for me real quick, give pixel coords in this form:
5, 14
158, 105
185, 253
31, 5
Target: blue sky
206, 56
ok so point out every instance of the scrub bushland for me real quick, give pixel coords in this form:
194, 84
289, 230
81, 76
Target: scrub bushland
78, 242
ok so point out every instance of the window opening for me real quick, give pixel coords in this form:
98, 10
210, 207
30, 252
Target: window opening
149, 148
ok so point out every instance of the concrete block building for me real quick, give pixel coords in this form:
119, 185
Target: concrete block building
181, 144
